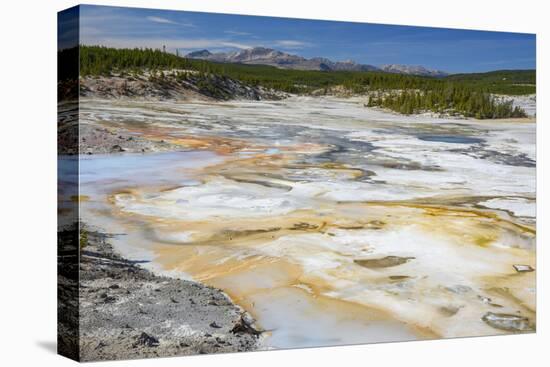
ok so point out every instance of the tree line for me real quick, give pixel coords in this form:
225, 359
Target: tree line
447, 99
467, 94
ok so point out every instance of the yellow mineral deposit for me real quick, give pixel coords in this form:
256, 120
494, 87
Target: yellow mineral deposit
326, 244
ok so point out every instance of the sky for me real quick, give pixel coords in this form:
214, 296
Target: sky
444, 49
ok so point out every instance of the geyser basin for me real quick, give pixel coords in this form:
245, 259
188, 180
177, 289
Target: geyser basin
236, 200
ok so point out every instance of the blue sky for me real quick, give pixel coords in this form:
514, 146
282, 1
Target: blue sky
376, 44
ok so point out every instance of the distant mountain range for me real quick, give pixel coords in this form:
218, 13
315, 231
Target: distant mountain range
413, 70
283, 60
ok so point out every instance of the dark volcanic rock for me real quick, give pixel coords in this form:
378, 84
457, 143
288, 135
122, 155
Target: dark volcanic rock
214, 325
147, 340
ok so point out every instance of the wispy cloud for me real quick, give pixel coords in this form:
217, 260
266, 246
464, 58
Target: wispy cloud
294, 44
237, 33
95, 37
167, 21
451, 50
508, 61
171, 44
237, 45
161, 20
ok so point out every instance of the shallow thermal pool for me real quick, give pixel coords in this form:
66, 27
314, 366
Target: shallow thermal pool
329, 222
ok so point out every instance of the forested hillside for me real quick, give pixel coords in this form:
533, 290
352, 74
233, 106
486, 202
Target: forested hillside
466, 94
511, 82
448, 99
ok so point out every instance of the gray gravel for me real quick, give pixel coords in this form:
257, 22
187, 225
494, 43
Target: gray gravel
128, 312
100, 140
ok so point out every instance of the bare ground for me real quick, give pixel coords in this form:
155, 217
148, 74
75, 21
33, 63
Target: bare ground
127, 312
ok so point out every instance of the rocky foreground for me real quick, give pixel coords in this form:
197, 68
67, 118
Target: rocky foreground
127, 312
103, 140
